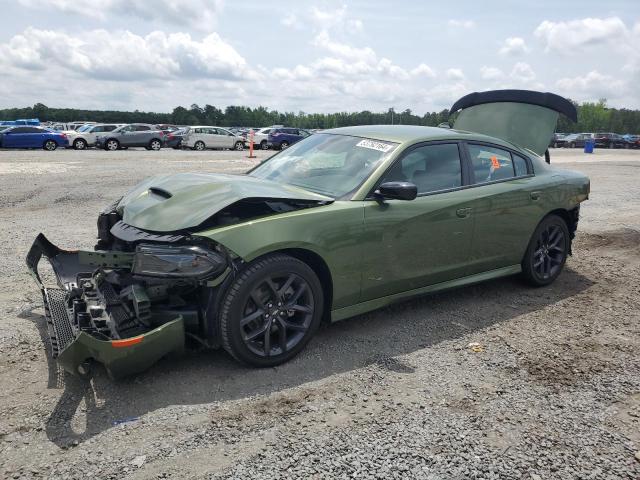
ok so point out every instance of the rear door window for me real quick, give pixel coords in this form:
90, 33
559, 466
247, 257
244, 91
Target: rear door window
490, 163
142, 128
520, 165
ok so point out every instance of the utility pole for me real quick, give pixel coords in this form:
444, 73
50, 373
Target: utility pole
392, 115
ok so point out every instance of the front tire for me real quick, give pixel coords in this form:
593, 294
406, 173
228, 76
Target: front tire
284, 145
239, 146
199, 146
547, 251
80, 144
112, 145
50, 145
155, 144
264, 145
271, 311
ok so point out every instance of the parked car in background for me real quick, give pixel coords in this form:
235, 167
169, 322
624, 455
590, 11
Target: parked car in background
609, 140
201, 137
554, 139
132, 135
631, 141
281, 138
260, 138
86, 135
32, 137
173, 139
572, 140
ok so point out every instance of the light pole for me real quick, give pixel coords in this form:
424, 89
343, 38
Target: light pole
391, 115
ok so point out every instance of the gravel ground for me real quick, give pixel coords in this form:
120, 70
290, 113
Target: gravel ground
551, 391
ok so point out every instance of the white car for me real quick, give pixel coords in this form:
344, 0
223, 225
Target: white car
86, 135
201, 137
260, 138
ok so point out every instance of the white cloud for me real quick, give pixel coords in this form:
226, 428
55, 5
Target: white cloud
514, 46
454, 74
523, 72
198, 14
591, 86
491, 73
461, 23
291, 20
423, 70
124, 55
565, 37
338, 19
344, 50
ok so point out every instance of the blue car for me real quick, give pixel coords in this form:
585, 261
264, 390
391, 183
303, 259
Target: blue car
32, 137
283, 137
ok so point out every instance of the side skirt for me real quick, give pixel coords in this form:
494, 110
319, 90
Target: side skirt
359, 308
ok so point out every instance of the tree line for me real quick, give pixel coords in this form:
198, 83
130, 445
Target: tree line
592, 117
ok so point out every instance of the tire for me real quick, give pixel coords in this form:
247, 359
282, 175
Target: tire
50, 145
284, 145
572, 145
264, 145
155, 144
80, 144
555, 145
255, 327
112, 145
239, 146
547, 251
199, 146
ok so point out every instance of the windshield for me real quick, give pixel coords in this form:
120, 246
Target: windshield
84, 128
332, 165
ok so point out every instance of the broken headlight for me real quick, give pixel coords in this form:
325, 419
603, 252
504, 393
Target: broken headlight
177, 261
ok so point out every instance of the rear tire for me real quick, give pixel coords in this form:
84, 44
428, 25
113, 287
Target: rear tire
572, 145
80, 144
284, 145
50, 145
264, 145
155, 144
239, 146
547, 252
271, 311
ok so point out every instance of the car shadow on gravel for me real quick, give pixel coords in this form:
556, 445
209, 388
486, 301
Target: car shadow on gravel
202, 377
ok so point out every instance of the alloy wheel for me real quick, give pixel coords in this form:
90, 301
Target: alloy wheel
80, 144
549, 254
50, 145
264, 145
155, 145
277, 314
112, 145
239, 146
199, 146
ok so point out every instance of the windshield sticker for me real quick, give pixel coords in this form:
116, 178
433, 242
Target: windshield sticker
374, 145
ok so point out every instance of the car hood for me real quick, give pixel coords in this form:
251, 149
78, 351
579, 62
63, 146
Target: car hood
185, 201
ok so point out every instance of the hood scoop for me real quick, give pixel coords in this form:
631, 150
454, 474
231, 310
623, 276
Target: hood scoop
189, 202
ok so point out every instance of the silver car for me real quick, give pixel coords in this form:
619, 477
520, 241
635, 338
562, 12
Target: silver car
201, 137
86, 135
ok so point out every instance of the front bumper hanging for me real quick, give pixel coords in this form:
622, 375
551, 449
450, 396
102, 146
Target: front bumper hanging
71, 344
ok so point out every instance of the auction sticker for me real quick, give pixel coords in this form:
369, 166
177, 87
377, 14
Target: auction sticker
373, 145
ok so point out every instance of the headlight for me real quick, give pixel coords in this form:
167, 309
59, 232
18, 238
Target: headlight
177, 261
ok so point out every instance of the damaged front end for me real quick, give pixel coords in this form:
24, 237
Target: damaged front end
125, 308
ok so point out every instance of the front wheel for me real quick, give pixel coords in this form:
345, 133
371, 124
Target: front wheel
155, 144
199, 146
284, 145
239, 146
547, 252
271, 311
572, 145
50, 145
264, 145
80, 144
112, 145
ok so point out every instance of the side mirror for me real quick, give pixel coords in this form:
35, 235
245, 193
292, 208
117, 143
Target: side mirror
397, 191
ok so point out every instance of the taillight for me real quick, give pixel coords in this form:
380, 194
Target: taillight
64, 135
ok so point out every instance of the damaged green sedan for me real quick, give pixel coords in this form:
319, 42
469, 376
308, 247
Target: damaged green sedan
343, 222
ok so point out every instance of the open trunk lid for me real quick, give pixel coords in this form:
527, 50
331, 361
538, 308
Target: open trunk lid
523, 117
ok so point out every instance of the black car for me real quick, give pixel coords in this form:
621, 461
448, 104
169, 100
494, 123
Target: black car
173, 138
609, 140
573, 140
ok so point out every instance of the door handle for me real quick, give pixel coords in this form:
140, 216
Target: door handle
535, 195
463, 212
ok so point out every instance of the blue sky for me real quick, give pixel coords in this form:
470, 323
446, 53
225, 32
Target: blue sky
316, 56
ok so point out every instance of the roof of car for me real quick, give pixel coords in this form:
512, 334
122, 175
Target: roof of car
408, 133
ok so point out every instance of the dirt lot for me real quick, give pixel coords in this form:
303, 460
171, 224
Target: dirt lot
553, 392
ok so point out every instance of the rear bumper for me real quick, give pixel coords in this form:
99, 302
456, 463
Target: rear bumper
71, 345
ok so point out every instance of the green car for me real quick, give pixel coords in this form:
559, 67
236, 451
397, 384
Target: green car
345, 221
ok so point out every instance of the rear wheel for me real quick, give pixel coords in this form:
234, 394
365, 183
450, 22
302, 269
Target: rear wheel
547, 251
112, 144
271, 311
264, 145
50, 145
239, 146
155, 144
572, 145
284, 145
199, 146
80, 144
